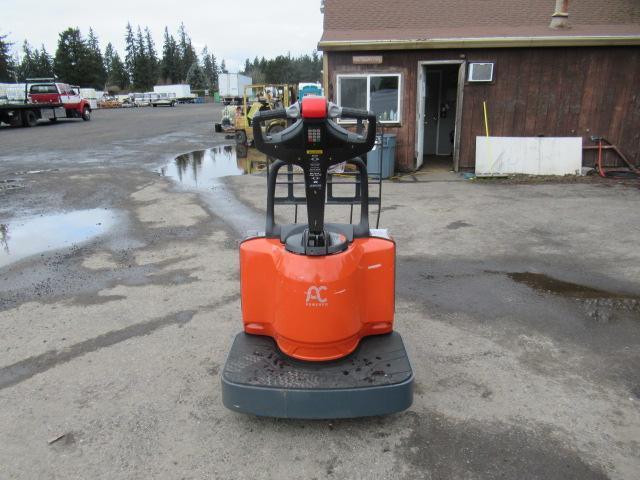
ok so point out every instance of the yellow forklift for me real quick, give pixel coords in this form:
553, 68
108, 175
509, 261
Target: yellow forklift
237, 119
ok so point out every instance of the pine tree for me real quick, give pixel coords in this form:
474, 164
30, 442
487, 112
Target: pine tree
35, 63
117, 77
96, 75
109, 52
170, 64
223, 67
43, 63
140, 64
141, 61
257, 76
182, 47
216, 70
152, 66
209, 68
196, 77
7, 67
131, 54
187, 53
28, 64
71, 59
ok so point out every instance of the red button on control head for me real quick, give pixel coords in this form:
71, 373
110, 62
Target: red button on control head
314, 107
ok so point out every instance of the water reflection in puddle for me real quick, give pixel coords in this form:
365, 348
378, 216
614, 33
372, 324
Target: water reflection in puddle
200, 168
24, 237
600, 305
546, 284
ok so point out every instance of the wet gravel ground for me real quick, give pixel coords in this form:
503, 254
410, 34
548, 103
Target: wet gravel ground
519, 305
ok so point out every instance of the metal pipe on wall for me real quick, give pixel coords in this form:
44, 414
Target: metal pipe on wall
560, 17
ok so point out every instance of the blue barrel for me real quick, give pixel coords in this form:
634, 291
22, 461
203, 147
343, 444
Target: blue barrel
386, 143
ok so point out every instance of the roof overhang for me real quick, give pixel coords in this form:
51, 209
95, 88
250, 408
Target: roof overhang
482, 42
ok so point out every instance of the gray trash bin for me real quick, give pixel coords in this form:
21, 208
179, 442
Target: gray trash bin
388, 156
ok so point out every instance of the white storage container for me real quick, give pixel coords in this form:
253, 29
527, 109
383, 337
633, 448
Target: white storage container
232, 84
14, 92
88, 93
181, 90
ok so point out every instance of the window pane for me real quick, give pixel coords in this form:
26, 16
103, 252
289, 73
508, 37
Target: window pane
43, 89
353, 92
384, 97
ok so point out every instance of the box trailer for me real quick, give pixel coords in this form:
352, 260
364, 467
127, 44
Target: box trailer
182, 91
231, 87
90, 94
12, 92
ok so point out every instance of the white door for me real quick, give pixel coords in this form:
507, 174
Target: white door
73, 96
63, 91
420, 116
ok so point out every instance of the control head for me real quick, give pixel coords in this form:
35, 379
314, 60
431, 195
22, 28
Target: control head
314, 130
314, 141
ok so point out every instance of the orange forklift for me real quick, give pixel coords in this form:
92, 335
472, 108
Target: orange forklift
318, 298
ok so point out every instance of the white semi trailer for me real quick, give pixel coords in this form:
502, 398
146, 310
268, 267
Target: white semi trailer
182, 92
231, 87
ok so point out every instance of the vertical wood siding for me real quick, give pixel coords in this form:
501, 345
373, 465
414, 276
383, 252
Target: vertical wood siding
537, 91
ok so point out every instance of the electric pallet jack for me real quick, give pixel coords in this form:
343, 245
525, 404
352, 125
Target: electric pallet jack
318, 299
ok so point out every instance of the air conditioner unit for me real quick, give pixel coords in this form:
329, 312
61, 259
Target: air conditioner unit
481, 72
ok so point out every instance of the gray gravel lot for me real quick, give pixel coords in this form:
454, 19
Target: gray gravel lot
519, 305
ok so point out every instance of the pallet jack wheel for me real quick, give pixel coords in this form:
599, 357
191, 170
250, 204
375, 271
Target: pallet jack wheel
241, 137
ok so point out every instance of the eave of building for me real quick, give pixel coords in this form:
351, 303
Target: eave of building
482, 42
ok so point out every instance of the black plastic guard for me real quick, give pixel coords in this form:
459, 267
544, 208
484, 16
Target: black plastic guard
259, 379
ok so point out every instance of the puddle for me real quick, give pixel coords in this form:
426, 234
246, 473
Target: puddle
602, 306
546, 284
24, 237
204, 170
201, 168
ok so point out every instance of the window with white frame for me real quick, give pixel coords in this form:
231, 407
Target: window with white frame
378, 92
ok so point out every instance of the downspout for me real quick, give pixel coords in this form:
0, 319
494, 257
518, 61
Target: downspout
325, 62
325, 74
560, 18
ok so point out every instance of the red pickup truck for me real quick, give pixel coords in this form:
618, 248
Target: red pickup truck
60, 93
47, 100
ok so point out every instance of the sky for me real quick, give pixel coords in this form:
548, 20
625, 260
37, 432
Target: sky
232, 29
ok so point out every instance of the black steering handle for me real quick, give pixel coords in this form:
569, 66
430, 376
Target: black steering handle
339, 143
356, 114
266, 115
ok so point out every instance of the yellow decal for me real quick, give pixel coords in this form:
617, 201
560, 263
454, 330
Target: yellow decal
315, 152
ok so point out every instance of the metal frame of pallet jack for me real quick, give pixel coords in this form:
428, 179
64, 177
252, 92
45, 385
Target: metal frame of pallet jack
292, 199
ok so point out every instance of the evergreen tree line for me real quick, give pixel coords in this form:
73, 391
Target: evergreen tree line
285, 69
79, 60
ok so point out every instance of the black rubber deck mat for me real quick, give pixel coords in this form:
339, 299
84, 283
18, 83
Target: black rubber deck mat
376, 379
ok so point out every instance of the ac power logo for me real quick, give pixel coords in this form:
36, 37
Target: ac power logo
315, 297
